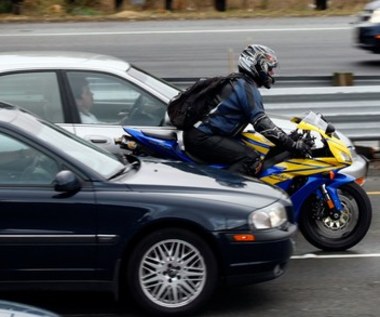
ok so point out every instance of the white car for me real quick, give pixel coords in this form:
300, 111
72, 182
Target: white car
123, 94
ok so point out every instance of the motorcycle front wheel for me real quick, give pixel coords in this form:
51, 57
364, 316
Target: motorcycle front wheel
343, 233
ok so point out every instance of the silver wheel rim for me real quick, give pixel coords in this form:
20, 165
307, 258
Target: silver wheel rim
347, 221
172, 273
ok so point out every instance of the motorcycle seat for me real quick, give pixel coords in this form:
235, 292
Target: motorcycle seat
164, 135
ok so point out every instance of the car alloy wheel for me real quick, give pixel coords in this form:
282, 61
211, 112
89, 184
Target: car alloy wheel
172, 271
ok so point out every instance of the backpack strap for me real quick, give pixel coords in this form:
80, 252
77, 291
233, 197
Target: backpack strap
222, 94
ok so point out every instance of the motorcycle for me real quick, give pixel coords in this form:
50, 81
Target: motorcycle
333, 212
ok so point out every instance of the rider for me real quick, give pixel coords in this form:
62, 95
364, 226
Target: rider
213, 138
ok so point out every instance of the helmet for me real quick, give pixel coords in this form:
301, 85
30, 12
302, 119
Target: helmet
257, 61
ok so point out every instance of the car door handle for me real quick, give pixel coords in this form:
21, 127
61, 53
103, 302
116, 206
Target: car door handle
98, 139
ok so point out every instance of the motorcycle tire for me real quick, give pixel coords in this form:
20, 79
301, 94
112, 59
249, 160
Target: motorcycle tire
338, 235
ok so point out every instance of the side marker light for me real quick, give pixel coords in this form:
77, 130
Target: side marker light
243, 237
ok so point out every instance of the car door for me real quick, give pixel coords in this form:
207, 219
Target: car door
44, 234
116, 102
36, 91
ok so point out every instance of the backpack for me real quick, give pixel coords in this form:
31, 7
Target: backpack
194, 103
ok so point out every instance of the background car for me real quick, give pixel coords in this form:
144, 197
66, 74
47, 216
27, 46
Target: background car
43, 82
367, 28
72, 216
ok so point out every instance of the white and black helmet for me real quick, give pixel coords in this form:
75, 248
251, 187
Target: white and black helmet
258, 61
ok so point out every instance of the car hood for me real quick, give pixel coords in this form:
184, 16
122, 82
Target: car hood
181, 178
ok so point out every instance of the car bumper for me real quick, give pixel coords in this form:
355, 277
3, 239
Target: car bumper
258, 261
368, 37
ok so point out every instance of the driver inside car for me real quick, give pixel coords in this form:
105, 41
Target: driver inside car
84, 99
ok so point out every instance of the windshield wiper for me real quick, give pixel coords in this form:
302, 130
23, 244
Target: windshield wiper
126, 169
121, 172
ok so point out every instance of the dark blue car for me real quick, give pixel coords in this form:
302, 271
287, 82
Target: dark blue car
367, 29
73, 216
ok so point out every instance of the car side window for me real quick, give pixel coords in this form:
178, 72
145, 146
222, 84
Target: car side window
37, 92
21, 164
105, 99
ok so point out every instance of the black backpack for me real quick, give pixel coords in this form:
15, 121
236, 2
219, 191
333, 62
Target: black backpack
192, 104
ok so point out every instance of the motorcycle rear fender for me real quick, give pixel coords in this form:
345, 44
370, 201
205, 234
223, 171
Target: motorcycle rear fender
167, 148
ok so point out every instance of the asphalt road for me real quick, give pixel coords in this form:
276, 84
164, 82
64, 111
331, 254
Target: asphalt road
305, 46
316, 284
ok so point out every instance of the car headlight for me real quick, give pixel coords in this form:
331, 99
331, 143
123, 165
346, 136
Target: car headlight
268, 217
375, 17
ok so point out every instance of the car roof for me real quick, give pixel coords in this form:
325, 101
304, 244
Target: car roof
59, 60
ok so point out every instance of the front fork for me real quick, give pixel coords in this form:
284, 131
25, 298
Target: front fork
316, 186
331, 201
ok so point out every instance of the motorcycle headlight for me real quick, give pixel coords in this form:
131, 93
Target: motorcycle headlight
269, 217
346, 158
353, 152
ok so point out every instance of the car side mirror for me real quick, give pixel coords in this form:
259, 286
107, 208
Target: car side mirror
66, 181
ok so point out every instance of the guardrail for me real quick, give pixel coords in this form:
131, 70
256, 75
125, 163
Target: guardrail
354, 110
300, 81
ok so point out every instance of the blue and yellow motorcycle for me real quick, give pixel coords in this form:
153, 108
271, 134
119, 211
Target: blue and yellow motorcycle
333, 212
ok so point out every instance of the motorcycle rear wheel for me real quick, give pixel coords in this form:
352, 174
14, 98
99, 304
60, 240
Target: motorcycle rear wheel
338, 235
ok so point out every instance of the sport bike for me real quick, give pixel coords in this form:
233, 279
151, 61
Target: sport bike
333, 212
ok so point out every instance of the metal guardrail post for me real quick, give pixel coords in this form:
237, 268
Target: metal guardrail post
343, 79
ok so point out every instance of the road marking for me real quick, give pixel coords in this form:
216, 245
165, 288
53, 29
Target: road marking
373, 193
76, 33
334, 256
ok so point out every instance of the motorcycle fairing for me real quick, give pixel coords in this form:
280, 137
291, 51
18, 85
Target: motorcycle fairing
337, 147
313, 122
339, 150
291, 168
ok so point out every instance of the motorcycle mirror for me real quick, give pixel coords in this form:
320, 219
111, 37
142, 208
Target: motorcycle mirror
330, 129
296, 119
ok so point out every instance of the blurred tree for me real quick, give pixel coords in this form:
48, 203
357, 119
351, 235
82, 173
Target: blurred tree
16, 6
118, 4
220, 5
169, 5
321, 4
5, 6
264, 4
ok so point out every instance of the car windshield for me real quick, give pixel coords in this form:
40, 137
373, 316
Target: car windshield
101, 161
155, 83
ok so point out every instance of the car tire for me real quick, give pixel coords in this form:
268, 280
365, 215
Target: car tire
172, 271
